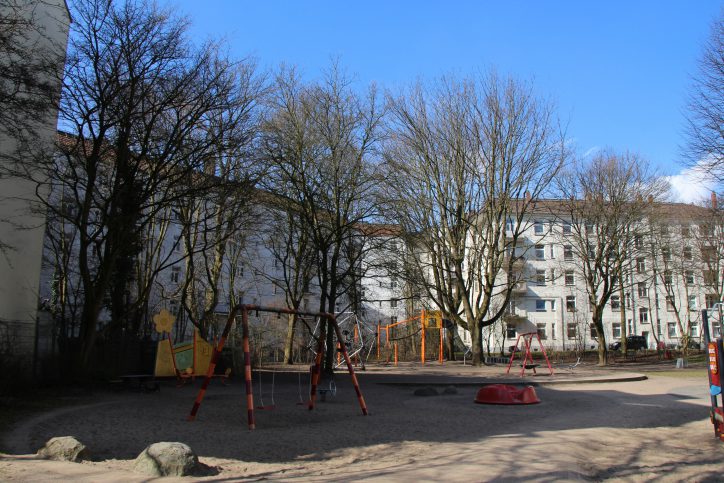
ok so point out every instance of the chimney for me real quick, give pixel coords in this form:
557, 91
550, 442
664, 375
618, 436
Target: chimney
713, 200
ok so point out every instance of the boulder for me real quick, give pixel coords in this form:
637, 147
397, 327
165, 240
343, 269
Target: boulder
167, 459
64, 448
426, 391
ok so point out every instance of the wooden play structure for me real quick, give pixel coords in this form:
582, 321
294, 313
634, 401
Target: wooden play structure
316, 368
527, 331
184, 360
427, 321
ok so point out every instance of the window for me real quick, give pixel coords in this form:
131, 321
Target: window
689, 277
639, 241
711, 300
709, 277
671, 330
538, 228
708, 254
553, 306
668, 280
615, 303
628, 300
566, 228
692, 302
685, 230
177, 243
688, 254
540, 277
670, 306
591, 250
570, 303
666, 254
616, 330
567, 252
175, 272
393, 303
664, 229
540, 305
594, 332
643, 289
393, 320
570, 278
694, 330
393, 283
541, 331
571, 330
510, 332
643, 315
715, 331
362, 292
706, 230
640, 265
540, 252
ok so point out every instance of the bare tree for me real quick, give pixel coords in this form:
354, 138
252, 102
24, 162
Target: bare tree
705, 113
321, 151
467, 160
140, 103
605, 203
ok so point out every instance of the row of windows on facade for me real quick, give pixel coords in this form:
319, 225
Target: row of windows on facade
707, 254
663, 229
572, 330
709, 278
542, 305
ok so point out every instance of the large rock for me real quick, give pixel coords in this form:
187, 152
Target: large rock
64, 448
426, 391
167, 459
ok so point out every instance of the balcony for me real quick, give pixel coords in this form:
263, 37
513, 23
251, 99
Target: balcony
518, 262
520, 287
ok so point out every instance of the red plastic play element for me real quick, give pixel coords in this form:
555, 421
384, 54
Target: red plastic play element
505, 394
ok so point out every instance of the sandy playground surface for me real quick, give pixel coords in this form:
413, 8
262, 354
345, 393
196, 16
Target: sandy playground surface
657, 429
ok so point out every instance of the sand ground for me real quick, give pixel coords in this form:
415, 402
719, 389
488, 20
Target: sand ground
655, 429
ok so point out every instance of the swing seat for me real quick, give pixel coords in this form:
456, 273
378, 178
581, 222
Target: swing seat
268, 407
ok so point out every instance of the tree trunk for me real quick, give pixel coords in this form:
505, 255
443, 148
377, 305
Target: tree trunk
289, 342
477, 344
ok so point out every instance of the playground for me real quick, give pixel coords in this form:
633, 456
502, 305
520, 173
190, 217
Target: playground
591, 423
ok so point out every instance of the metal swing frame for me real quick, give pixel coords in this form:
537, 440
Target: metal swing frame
316, 370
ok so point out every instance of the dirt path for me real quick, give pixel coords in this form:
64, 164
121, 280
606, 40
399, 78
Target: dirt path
656, 429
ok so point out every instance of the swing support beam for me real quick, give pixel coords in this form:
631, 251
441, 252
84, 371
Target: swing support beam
316, 370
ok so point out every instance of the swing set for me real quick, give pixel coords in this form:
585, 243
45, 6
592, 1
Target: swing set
427, 320
316, 368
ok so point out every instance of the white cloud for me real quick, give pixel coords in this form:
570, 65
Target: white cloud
690, 186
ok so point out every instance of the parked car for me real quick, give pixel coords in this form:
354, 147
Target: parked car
633, 343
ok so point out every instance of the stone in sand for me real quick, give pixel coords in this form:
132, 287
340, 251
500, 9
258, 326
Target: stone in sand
426, 391
167, 459
64, 448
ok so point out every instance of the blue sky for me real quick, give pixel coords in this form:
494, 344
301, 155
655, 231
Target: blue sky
618, 71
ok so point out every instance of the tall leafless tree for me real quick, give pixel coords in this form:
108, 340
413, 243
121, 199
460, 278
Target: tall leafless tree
605, 201
705, 113
467, 160
321, 152
139, 102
